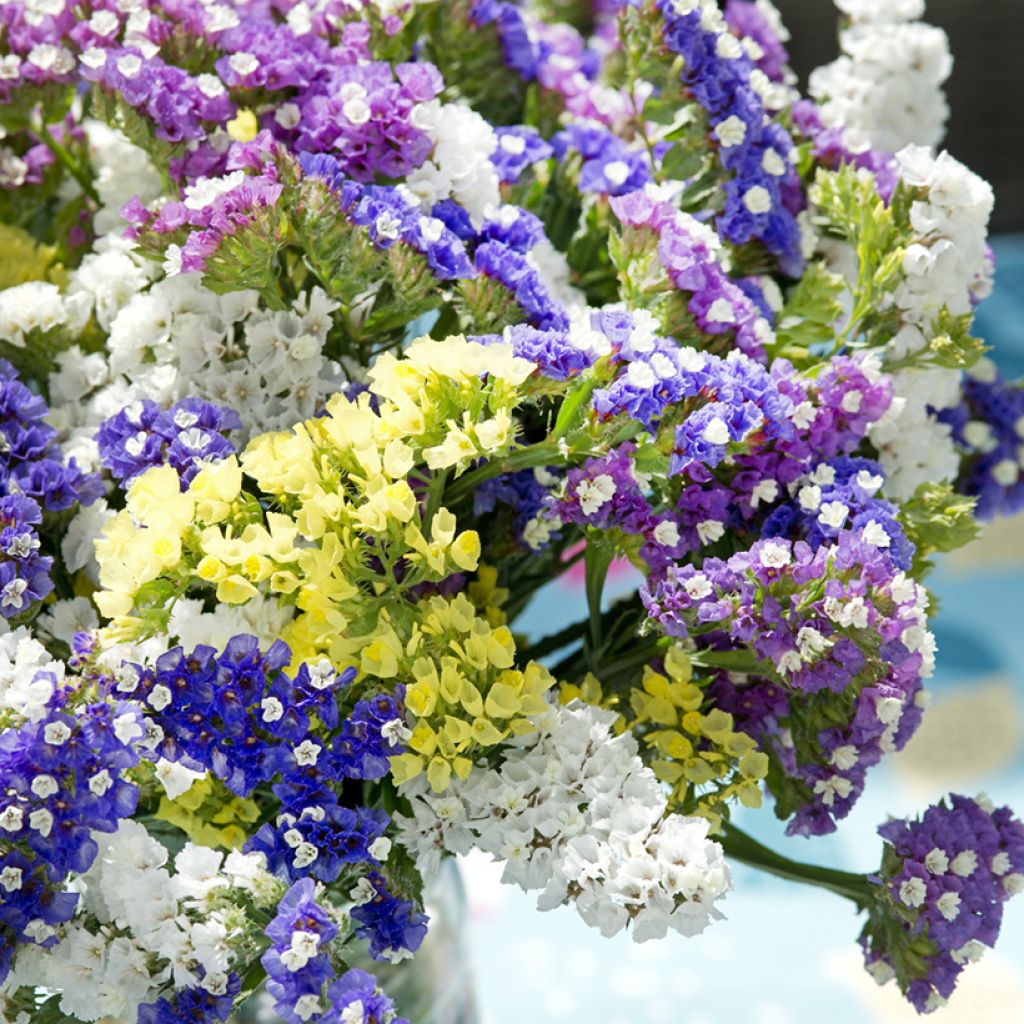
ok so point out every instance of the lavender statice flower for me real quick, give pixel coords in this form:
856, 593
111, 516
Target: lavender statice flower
939, 895
188, 435
691, 254
764, 194
759, 23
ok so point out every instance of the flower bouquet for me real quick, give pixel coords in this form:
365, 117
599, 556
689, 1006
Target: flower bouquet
332, 332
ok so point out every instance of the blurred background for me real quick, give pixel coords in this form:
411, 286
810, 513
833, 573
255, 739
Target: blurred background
787, 954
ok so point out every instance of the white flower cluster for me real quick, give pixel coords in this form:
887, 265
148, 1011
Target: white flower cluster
577, 815
139, 927
28, 675
944, 269
886, 87
121, 171
460, 165
39, 306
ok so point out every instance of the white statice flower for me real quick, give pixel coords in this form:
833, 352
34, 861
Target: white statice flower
121, 171
108, 278
460, 165
28, 675
190, 626
885, 88
575, 814
63, 619
39, 306
78, 545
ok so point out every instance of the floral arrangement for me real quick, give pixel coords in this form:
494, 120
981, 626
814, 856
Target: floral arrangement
332, 332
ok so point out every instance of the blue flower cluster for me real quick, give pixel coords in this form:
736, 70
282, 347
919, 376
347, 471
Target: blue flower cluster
240, 716
989, 424
301, 977
519, 50
522, 492
610, 167
764, 194
62, 781
848, 484
388, 923
34, 478
518, 147
187, 436
390, 218
193, 1005
509, 267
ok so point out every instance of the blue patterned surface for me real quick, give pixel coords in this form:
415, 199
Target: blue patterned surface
787, 954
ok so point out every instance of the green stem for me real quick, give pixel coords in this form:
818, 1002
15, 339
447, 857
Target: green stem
522, 458
434, 493
70, 164
744, 848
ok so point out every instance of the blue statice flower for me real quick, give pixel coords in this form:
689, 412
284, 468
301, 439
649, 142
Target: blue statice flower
764, 194
298, 963
392, 927
527, 493
511, 268
34, 479
193, 1005
989, 426
519, 147
610, 167
390, 218
841, 494
371, 734
62, 781
187, 436
518, 47
356, 994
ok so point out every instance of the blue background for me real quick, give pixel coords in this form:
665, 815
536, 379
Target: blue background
787, 954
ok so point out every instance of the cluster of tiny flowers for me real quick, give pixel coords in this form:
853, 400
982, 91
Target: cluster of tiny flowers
989, 426
691, 254
301, 977
62, 772
941, 890
842, 619
577, 815
186, 436
758, 26
34, 480
763, 196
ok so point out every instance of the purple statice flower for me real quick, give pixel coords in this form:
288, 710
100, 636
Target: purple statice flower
187, 436
939, 895
180, 106
832, 150
552, 350
519, 50
689, 252
298, 962
512, 226
988, 426
764, 194
389, 218
609, 167
518, 147
362, 113
392, 927
62, 781
374, 732
358, 993
749, 21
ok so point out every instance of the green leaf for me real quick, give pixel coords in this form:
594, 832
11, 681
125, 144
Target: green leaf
682, 163
937, 518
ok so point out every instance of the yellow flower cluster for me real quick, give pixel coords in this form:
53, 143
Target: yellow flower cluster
346, 532
701, 755
210, 814
463, 692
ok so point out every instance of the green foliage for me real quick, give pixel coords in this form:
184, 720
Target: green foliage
810, 314
937, 518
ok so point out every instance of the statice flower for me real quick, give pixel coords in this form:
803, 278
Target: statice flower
187, 436
392, 927
591, 832
609, 167
940, 894
519, 147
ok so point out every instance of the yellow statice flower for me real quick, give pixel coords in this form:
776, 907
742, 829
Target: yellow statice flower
464, 692
701, 755
210, 814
